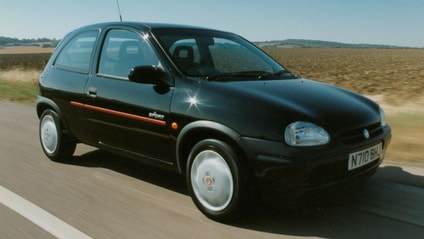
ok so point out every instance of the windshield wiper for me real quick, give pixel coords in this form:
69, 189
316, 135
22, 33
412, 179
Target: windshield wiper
240, 74
279, 74
251, 74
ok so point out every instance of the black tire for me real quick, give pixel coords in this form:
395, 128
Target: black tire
215, 179
55, 144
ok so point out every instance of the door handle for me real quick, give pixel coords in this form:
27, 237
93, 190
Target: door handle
92, 92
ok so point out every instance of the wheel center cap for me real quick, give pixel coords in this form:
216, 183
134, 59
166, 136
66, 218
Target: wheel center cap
209, 181
46, 134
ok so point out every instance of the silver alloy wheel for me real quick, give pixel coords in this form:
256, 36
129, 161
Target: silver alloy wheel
212, 180
48, 134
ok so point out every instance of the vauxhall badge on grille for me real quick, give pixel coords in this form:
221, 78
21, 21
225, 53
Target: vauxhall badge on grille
366, 134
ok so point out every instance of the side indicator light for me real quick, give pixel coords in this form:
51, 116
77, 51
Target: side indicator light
174, 125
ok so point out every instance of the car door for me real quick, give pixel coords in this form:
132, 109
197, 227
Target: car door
67, 78
128, 116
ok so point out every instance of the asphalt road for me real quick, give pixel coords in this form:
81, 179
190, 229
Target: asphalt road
100, 195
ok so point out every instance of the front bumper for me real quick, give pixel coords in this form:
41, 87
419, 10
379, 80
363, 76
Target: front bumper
297, 170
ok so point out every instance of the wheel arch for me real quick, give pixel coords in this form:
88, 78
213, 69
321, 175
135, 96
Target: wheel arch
199, 130
44, 103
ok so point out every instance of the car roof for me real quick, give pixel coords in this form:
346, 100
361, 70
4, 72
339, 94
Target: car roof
141, 25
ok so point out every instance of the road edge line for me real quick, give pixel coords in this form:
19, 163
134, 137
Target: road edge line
39, 216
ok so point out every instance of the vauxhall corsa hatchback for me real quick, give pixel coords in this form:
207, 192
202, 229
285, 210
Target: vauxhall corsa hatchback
209, 105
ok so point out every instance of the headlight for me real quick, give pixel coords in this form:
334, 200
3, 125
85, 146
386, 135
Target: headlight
305, 134
382, 117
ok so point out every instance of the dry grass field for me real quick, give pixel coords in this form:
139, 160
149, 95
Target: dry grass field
25, 50
395, 74
392, 77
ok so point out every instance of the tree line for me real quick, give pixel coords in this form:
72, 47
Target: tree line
303, 43
43, 42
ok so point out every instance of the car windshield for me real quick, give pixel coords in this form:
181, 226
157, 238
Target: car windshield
218, 56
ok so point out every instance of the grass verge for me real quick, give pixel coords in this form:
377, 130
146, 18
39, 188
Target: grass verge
19, 85
18, 91
407, 130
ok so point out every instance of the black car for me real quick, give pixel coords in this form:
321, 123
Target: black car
209, 105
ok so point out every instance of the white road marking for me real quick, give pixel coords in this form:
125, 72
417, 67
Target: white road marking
38, 216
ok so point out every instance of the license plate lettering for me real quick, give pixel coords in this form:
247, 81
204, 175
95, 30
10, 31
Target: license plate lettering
363, 157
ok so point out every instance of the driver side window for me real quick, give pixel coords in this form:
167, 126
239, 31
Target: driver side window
123, 50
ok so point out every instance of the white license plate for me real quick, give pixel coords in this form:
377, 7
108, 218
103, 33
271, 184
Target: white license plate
366, 156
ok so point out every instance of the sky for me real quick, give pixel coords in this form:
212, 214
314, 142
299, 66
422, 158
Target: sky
389, 22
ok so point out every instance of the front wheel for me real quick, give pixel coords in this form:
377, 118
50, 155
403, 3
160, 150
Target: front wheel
56, 145
214, 178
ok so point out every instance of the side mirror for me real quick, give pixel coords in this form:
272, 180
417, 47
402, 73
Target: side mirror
149, 75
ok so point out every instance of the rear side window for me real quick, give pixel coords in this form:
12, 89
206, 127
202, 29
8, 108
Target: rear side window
76, 54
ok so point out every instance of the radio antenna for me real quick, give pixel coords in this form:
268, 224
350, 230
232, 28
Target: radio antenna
119, 10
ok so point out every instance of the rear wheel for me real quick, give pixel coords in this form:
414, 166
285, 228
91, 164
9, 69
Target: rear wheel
214, 179
56, 145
